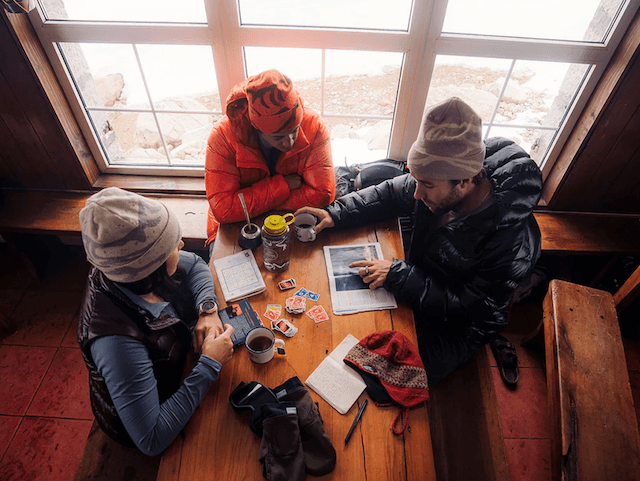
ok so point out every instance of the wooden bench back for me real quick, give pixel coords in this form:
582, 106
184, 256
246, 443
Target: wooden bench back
594, 430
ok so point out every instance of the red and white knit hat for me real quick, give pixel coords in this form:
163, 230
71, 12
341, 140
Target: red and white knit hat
389, 360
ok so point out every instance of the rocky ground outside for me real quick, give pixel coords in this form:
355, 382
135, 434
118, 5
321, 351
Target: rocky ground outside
185, 134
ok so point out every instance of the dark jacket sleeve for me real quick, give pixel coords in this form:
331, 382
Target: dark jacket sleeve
391, 198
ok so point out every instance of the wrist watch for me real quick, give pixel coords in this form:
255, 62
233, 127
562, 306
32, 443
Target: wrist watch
208, 307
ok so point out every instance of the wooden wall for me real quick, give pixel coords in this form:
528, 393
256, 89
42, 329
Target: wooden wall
35, 151
604, 149
602, 173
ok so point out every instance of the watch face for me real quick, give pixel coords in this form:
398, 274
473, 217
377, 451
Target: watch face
208, 306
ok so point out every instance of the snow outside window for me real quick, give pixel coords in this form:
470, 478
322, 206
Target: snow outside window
147, 79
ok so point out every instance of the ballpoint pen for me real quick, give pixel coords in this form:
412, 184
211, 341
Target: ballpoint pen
355, 421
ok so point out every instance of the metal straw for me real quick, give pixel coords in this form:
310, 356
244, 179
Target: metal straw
244, 207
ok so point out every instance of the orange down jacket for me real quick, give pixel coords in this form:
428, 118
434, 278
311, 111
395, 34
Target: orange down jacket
235, 164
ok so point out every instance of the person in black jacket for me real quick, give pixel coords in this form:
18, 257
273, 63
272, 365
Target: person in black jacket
474, 238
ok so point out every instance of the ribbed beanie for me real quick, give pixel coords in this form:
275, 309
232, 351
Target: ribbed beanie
127, 236
449, 145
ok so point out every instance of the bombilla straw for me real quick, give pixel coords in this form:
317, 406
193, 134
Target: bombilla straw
244, 207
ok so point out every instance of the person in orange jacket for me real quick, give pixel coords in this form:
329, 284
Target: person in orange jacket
269, 147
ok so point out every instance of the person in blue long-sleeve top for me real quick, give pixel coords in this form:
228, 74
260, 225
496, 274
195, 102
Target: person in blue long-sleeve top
146, 304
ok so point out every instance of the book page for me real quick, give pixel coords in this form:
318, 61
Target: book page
334, 381
239, 275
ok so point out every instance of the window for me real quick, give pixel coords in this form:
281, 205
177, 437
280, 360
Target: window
148, 79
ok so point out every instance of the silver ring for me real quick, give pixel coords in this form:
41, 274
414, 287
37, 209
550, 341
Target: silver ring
366, 271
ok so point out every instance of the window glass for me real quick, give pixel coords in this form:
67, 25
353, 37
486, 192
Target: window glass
533, 104
185, 11
353, 14
360, 90
587, 20
120, 84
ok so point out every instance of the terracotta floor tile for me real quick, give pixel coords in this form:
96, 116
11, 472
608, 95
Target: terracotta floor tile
45, 449
14, 273
70, 275
9, 299
43, 317
21, 372
71, 337
632, 353
64, 391
529, 459
523, 412
518, 327
8, 427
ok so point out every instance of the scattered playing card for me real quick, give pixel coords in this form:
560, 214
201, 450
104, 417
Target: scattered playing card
323, 316
273, 312
312, 295
314, 311
295, 304
302, 292
287, 284
285, 327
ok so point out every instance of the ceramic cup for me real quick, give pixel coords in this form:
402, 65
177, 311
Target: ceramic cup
262, 344
305, 224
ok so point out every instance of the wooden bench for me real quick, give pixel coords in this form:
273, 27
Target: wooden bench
594, 430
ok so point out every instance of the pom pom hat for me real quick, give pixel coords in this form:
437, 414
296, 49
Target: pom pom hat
392, 369
274, 105
449, 145
127, 236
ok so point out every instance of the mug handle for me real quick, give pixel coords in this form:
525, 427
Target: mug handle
279, 350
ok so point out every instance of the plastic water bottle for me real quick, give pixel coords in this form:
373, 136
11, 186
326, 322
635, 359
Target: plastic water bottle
275, 242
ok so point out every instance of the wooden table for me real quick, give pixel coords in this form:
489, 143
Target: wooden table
218, 444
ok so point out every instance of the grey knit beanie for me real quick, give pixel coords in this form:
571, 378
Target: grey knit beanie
127, 236
449, 145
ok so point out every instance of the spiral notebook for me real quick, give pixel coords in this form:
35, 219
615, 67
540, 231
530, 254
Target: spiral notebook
239, 276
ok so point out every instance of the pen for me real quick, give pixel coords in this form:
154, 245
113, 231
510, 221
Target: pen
355, 421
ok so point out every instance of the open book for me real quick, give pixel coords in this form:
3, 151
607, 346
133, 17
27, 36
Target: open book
239, 276
334, 381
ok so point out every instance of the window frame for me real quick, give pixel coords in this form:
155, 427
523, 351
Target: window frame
420, 45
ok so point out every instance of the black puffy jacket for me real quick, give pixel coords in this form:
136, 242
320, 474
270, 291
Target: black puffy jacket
462, 273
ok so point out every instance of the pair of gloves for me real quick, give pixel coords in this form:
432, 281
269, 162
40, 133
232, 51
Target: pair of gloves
294, 442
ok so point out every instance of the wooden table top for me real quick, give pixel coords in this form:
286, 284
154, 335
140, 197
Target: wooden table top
217, 442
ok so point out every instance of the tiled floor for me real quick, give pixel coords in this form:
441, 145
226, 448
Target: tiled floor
45, 415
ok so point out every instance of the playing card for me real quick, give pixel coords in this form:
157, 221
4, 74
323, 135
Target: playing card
287, 284
312, 295
285, 327
314, 311
302, 292
323, 316
273, 312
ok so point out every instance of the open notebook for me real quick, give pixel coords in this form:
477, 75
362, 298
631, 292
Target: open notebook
334, 381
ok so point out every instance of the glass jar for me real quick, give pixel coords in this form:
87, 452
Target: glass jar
275, 242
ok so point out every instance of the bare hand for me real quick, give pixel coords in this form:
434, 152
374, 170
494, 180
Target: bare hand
205, 324
373, 272
324, 218
294, 181
219, 348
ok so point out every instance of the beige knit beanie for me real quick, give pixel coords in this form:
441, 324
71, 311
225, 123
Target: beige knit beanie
127, 236
449, 145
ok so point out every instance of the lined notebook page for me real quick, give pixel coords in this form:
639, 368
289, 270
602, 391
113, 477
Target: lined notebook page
334, 381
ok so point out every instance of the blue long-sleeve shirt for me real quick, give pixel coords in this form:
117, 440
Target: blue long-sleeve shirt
126, 367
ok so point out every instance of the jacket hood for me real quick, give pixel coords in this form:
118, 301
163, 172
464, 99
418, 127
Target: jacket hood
516, 180
237, 110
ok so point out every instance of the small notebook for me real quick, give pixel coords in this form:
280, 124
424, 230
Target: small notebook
239, 276
334, 381
242, 317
